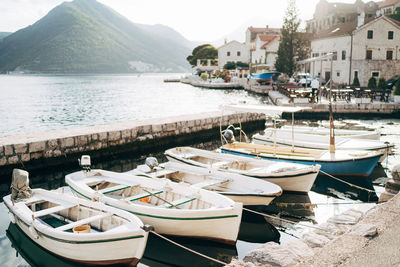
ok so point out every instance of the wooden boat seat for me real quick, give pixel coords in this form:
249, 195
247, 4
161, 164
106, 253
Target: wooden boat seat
83, 221
55, 209
140, 196
114, 188
164, 172
220, 164
210, 183
178, 202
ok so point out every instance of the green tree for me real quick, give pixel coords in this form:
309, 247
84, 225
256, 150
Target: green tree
205, 51
240, 64
382, 83
230, 65
356, 81
293, 44
372, 83
397, 88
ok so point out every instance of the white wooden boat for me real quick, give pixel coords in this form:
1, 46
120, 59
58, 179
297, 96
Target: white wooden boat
304, 140
332, 161
249, 191
353, 134
172, 208
289, 176
340, 162
52, 220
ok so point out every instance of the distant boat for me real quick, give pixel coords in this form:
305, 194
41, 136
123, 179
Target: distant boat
240, 188
283, 137
172, 208
353, 134
266, 77
79, 230
289, 176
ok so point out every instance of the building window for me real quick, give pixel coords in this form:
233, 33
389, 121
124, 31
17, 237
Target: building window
375, 74
228, 54
356, 74
344, 55
370, 34
338, 74
238, 53
390, 35
334, 56
389, 55
369, 54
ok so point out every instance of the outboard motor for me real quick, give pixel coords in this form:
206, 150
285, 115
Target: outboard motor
151, 162
229, 136
85, 163
20, 185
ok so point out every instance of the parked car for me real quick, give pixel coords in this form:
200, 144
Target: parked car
391, 82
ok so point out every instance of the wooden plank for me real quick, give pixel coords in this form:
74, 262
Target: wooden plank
140, 196
52, 210
178, 202
114, 188
83, 221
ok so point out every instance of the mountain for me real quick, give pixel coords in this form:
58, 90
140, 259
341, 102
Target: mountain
4, 35
86, 36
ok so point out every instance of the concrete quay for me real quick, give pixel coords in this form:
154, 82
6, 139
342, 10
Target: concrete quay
353, 238
42, 149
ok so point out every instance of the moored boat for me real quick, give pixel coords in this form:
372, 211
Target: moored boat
289, 176
76, 229
172, 208
247, 190
303, 140
340, 162
353, 134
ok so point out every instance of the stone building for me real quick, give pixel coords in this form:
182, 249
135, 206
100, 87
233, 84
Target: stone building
260, 49
233, 51
363, 48
388, 7
328, 14
264, 52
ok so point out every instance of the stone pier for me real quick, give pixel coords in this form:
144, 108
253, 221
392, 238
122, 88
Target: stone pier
42, 149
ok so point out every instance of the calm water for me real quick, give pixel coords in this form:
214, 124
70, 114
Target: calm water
34, 103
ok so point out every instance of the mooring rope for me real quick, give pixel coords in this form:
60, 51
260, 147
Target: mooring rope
345, 182
188, 249
283, 220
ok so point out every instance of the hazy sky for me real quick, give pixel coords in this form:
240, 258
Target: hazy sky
204, 20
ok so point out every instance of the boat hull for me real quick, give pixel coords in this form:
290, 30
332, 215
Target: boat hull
95, 252
313, 144
217, 224
290, 181
351, 167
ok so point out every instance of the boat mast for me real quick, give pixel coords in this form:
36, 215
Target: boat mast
331, 125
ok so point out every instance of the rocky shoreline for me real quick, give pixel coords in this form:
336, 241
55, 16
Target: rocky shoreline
349, 239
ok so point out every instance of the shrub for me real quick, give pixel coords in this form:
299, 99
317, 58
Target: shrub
397, 88
230, 65
356, 81
382, 83
372, 83
204, 76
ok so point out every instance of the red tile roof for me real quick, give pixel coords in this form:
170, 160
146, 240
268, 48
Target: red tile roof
388, 3
269, 39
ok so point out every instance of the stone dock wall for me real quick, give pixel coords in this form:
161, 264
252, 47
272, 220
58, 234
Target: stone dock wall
56, 147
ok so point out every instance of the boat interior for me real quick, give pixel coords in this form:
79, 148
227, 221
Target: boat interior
198, 180
137, 194
66, 217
